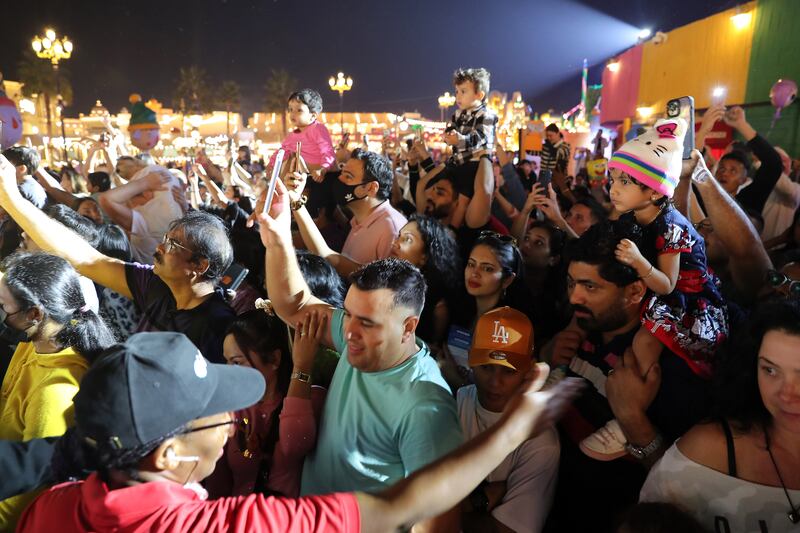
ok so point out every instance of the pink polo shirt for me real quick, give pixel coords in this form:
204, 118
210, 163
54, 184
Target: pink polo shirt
317, 147
372, 238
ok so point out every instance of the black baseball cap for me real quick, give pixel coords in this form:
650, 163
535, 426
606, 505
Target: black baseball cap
154, 383
740, 156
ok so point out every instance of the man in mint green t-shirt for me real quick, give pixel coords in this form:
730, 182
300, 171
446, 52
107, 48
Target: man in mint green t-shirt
388, 411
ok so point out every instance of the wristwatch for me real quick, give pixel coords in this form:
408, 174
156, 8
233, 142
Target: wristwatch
301, 376
642, 452
479, 500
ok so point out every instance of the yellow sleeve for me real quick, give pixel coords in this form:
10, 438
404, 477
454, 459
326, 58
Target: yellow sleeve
49, 411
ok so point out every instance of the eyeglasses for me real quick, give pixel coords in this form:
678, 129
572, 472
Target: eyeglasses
777, 280
210, 426
170, 243
506, 239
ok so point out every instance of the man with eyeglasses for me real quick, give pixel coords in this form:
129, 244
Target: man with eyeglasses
389, 411
151, 446
178, 293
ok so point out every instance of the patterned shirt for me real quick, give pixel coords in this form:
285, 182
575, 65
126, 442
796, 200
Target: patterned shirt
554, 156
476, 126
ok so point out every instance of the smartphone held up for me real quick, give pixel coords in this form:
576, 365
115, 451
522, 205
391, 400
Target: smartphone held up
683, 107
276, 171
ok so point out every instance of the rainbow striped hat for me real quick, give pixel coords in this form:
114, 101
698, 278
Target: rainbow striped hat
654, 157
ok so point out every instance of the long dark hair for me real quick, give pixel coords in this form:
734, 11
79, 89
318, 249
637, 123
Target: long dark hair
443, 265
259, 334
320, 276
51, 284
735, 387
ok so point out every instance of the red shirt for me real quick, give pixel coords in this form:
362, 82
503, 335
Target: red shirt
166, 506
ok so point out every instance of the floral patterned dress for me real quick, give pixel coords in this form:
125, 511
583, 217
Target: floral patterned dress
692, 321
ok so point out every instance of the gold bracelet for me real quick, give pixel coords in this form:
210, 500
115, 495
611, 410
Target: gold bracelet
297, 204
649, 272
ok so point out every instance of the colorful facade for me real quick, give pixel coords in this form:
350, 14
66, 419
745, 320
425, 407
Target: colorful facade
744, 51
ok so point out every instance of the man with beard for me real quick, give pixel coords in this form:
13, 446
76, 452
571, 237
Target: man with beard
364, 187
653, 408
437, 196
179, 293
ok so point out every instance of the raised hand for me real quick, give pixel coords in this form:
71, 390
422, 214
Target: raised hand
308, 335
296, 182
8, 177
532, 409
735, 117
548, 204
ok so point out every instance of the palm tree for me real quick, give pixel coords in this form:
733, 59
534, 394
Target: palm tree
279, 86
229, 97
39, 78
192, 93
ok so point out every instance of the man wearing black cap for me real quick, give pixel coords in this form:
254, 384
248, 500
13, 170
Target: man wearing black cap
178, 293
734, 166
156, 429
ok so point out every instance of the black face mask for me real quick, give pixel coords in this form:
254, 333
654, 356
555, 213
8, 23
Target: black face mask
344, 194
9, 333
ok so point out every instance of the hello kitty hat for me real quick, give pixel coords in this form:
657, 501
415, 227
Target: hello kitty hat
654, 157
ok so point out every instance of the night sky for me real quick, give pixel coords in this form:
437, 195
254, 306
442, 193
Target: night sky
400, 54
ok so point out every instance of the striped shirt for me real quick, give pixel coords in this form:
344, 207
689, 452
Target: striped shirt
554, 156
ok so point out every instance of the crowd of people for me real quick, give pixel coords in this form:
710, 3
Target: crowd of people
471, 340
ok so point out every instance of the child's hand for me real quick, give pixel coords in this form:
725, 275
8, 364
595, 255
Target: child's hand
628, 254
452, 138
319, 174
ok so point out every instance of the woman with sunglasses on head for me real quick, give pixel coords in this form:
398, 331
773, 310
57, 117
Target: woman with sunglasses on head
274, 435
59, 336
493, 277
740, 471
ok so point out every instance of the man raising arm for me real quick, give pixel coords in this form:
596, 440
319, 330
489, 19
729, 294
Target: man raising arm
54, 238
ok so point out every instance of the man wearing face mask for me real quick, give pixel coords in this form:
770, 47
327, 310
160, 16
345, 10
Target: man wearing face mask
364, 187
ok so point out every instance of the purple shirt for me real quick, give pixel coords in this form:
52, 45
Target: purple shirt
317, 146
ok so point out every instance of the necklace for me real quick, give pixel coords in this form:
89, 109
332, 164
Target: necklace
794, 513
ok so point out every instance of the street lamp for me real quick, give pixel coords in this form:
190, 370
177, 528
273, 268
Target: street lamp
445, 101
341, 84
55, 49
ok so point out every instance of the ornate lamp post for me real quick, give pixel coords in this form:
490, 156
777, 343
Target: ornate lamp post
55, 49
446, 101
341, 84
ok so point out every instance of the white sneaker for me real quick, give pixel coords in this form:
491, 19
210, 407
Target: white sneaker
605, 444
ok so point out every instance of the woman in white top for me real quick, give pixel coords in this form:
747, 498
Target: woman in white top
742, 472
